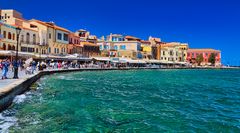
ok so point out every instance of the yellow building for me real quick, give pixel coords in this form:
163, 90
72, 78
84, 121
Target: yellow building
174, 52
146, 50
54, 37
29, 37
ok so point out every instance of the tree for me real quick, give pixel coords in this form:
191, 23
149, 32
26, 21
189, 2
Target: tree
199, 59
212, 58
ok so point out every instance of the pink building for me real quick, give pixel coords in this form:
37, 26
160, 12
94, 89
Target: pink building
74, 46
193, 53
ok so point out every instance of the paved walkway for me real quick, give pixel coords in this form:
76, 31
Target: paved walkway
5, 82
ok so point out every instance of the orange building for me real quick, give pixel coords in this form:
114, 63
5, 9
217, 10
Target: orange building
90, 49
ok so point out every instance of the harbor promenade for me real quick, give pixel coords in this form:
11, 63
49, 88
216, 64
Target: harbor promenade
10, 80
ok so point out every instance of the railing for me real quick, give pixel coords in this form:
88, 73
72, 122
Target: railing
43, 43
30, 43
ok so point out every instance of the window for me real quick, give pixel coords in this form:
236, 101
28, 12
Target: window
65, 38
55, 50
49, 36
115, 47
34, 39
59, 36
4, 34
36, 50
44, 42
22, 38
106, 47
28, 38
123, 47
13, 36
4, 46
31, 50
176, 53
163, 52
49, 50
82, 34
171, 53
9, 35
24, 49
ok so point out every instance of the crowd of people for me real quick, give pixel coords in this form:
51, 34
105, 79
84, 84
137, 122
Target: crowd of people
8, 66
31, 66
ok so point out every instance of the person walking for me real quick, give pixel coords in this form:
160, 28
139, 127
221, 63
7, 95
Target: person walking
5, 65
34, 64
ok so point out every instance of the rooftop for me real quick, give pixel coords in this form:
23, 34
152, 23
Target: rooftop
203, 50
51, 24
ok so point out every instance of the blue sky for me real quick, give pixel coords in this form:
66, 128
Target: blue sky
201, 23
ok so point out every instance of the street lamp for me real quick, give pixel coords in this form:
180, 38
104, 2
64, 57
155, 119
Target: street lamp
18, 30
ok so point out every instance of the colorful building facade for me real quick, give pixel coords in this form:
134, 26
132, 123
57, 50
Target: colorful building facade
28, 38
74, 46
38, 37
192, 55
57, 38
174, 52
118, 45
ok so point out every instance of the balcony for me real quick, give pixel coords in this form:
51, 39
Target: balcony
30, 43
43, 44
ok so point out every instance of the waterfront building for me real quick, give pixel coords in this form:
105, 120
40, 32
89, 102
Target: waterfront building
118, 45
57, 39
11, 17
88, 43
86, 36
89, 49
192, 55
8, 37
74, 46
146, 49
29, 37
155, 47
173, 52
154, 40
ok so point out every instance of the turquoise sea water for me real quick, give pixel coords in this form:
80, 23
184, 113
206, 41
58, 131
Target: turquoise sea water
131, 101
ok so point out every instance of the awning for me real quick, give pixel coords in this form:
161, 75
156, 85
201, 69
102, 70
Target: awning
101, 58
